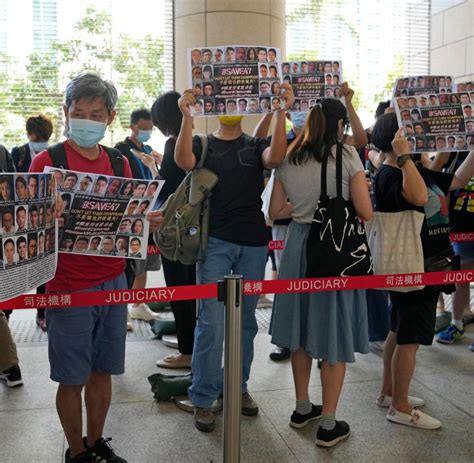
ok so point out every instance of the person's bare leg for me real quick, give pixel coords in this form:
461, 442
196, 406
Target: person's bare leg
332, 378
140, 281
388, 349
461, 301
440, 307
462, 295
403, 366
69, 407
301, 364
98, 393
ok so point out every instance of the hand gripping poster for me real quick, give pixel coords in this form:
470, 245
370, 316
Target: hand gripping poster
235, 79
312, 80
437, 122
104, 215
28, 233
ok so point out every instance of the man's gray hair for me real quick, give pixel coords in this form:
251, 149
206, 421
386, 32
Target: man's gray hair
88, 86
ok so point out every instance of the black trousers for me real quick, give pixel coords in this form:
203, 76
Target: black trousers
129, 274
178, 274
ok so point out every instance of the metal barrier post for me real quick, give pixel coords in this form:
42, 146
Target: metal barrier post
231, 292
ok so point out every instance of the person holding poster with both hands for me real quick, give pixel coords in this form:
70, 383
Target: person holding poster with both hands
98, 350
400, 185
237, 240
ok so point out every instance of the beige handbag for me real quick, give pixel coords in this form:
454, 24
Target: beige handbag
395, 243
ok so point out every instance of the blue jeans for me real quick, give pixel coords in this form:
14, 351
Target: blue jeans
378, 314
221, 258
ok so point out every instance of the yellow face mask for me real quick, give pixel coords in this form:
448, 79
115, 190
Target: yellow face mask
230, 120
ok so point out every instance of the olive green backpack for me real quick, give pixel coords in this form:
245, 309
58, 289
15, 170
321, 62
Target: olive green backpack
183, 233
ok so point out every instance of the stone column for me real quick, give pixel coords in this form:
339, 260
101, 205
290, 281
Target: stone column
208, 23
452, 40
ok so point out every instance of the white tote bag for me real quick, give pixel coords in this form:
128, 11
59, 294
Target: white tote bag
395, 244
266, 198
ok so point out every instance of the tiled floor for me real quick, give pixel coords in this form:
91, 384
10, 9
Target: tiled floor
146, 431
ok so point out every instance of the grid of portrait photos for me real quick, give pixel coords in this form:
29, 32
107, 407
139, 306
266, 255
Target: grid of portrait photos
466, 87
421, 85
235, 79
437, 122
312, 80
27, 232
104, 215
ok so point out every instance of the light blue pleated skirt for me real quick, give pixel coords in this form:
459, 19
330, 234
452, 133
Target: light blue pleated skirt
327, 325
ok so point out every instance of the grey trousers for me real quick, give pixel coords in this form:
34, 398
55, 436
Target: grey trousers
8, 355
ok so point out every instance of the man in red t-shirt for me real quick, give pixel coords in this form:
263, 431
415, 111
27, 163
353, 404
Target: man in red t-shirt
87, 344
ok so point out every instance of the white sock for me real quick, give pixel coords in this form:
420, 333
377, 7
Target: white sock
458, 324
303, 407
328, 422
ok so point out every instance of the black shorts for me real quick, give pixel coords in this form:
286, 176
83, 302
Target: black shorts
414, 321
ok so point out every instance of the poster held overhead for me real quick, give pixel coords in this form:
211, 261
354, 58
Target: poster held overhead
420, 85
312, 80
234, 79
436, 122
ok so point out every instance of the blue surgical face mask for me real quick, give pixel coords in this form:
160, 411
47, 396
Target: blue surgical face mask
143, 135
86, 133
298, 119
38, 146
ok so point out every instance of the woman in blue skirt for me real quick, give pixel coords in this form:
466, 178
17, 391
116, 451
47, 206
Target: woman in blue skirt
327, 325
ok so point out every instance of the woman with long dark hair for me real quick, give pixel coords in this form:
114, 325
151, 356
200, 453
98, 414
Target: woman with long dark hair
167, 117
251, 54
127, 188
325, 325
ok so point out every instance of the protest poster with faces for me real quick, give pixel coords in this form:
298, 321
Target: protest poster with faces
105, 215
420, 85
28, 232
466, 92
235, 79
312, 80
436, 122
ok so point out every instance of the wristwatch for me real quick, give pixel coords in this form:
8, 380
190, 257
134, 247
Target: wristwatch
402, 159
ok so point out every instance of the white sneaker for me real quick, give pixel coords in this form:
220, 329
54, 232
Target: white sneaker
416, 419
385, 401
376, 347
129, 322
264, 302
175, 361
142, 312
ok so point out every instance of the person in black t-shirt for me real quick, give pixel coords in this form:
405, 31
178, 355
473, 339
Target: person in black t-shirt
399, 186
167, 118
461, 214
237, 240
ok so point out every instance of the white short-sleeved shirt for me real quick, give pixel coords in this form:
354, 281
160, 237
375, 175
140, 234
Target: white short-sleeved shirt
303, 182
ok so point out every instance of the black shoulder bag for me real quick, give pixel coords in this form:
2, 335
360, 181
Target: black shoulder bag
337, 243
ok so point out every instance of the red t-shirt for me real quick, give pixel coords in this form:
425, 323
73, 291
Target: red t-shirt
75, 272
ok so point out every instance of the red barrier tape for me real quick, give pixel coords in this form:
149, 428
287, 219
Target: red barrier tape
153, 249
461, 237
279, 245
276, 245
177, 293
